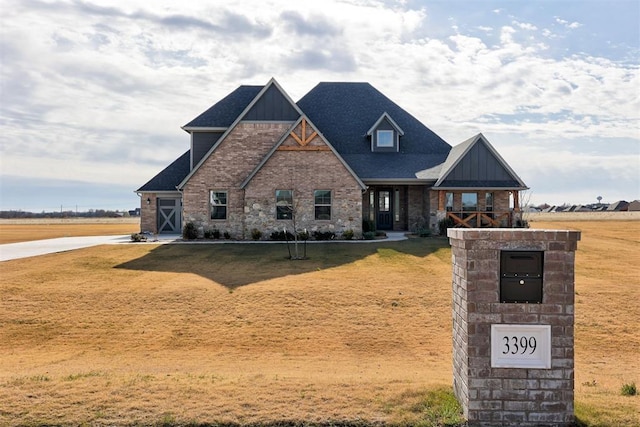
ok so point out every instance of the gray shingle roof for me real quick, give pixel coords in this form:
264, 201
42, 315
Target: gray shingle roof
224, 112
344, 112
169, 177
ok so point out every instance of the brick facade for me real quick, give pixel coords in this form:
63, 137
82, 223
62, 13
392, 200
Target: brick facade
510, 396
303, 170
148, 213
227, 167
418, 207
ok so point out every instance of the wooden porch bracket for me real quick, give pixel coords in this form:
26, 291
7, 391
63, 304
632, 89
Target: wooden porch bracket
482, 219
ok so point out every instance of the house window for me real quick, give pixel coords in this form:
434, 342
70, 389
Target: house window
469, 202
448, 197
284, 204
396, 205
322, 200
385, 138
372, 206
488, 202
384, 201
218, 202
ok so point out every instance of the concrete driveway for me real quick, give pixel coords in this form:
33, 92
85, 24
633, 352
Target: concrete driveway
11, 251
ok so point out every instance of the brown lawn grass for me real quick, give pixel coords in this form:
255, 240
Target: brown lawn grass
139, 333
153, 334
607, 353
12, 231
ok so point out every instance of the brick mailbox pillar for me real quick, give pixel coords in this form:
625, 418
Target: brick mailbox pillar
513, 300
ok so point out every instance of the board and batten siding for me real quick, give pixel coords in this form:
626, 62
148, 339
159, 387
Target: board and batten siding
201, 143
480, 166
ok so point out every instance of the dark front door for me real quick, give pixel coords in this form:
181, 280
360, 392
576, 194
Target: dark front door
384, 211
169, 216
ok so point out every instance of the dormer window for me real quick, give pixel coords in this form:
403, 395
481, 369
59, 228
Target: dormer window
385, 138
385, 135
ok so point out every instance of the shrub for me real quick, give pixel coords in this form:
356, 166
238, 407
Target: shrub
629, 389
368, 225
303, 235
347, 234
256, 234
281, 235
227, 235
324, 235
138, 237
212, 234
443, 224
424, 232
369, 235
190, 231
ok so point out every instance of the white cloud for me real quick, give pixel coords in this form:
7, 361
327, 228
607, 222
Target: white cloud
525, 26
91, 86
567, 24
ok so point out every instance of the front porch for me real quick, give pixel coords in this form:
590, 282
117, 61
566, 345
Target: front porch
479, 208
480, 219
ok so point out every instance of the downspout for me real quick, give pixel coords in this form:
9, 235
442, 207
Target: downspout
244, 215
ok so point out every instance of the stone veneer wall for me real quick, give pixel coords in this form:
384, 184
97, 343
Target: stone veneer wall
419, 212
303, 172
501, 396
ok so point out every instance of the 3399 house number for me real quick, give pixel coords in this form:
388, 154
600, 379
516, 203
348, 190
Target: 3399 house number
521, 346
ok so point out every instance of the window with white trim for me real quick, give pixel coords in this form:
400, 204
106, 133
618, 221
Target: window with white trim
322, 201
448, 201
488, 202
218, 204
469, 202
284, 204
384, 138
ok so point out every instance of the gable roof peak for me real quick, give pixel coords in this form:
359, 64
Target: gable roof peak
461, 151
271, 83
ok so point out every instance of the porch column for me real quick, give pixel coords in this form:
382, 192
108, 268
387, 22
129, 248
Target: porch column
441, 195
516, 201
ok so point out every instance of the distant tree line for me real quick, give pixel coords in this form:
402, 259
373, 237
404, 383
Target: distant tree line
91, 213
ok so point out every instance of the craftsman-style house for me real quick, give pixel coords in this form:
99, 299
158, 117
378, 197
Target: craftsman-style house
342, 157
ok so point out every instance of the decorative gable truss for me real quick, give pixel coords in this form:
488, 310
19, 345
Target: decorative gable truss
304, 135
323, 192
385, 134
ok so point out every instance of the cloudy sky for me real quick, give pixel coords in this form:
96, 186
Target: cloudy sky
93, 92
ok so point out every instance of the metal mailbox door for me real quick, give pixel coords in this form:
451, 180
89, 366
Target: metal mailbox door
521, 276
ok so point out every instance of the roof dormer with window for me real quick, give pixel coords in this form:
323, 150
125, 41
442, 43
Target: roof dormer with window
385, 135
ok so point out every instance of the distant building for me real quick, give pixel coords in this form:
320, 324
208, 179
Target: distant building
618, 206
634, 206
